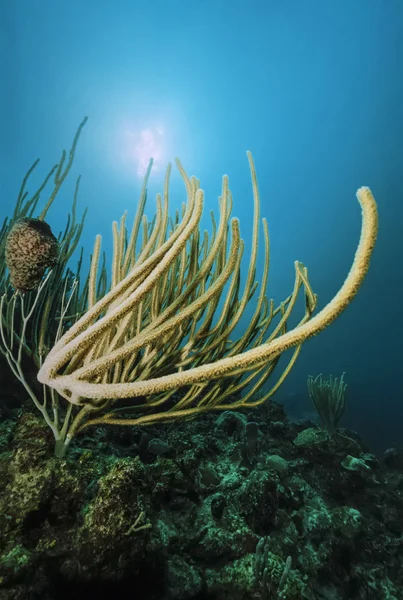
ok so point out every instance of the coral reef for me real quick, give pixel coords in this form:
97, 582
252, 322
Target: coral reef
195, 511
240, 506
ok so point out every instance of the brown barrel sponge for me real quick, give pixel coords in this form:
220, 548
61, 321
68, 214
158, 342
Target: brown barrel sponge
31, 248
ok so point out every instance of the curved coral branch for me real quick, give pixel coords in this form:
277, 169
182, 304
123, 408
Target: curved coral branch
154, 332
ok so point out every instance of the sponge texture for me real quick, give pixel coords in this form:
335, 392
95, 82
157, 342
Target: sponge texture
31, 248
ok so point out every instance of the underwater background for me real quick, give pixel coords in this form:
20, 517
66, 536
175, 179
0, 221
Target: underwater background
313, 88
